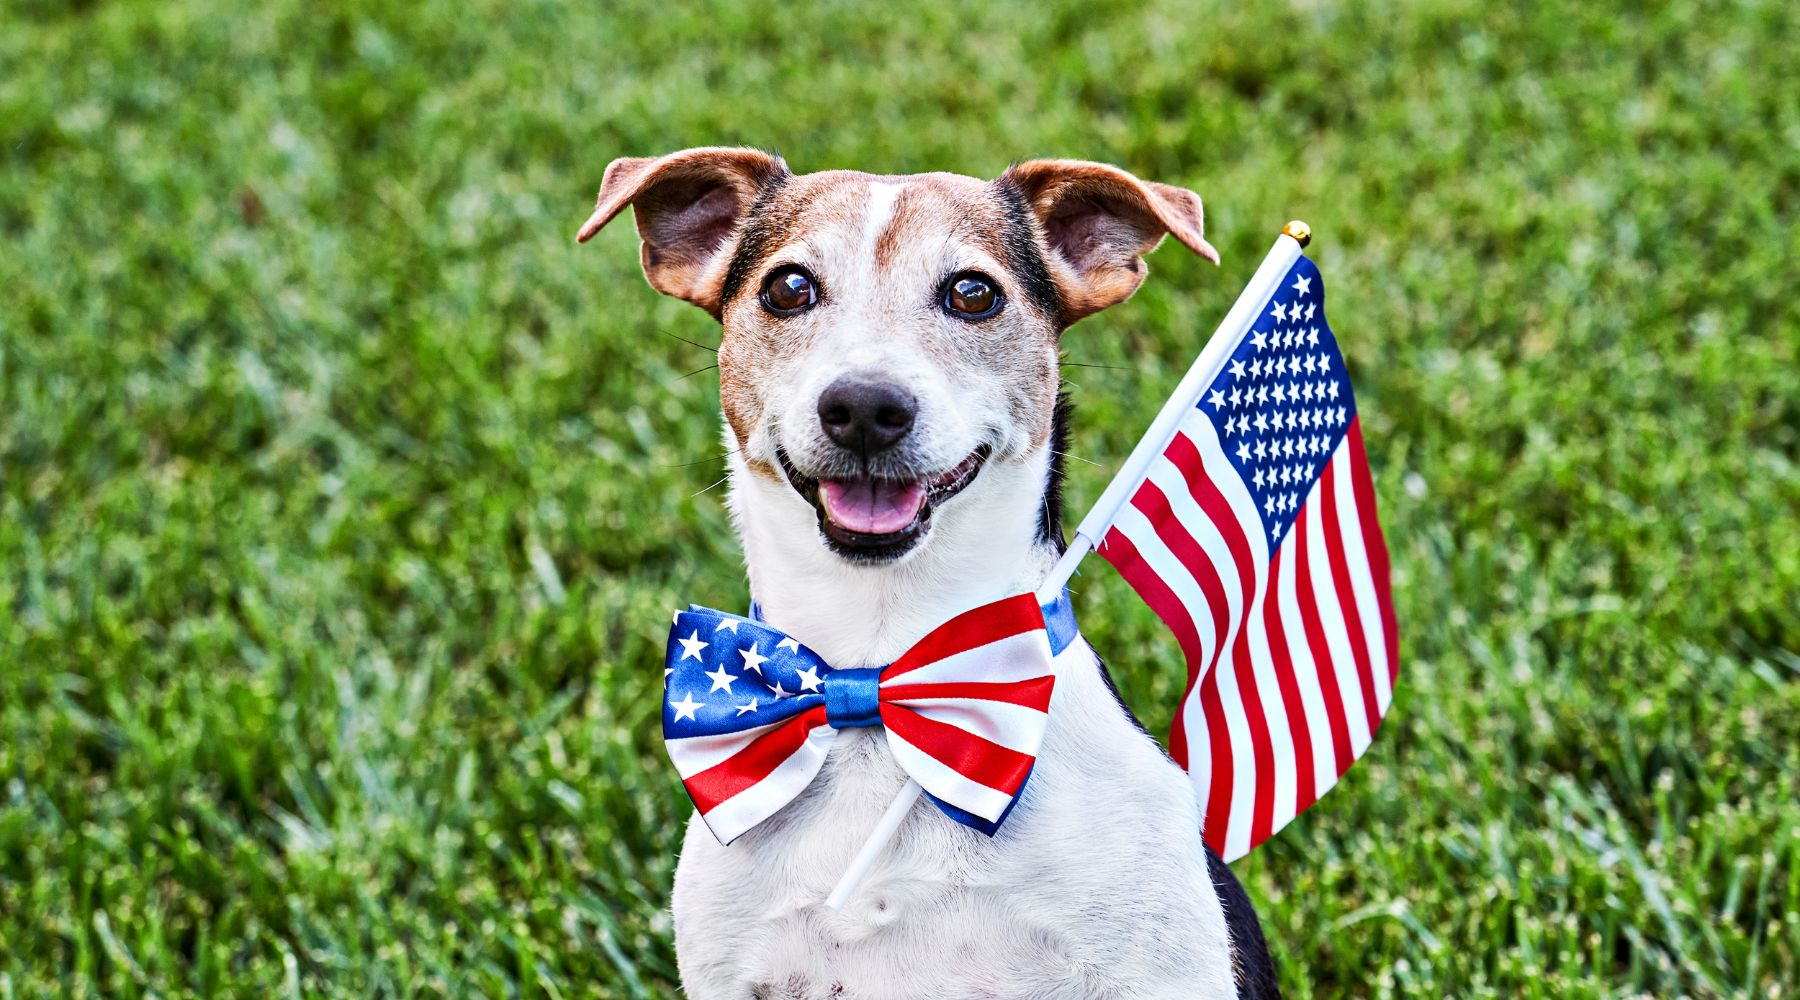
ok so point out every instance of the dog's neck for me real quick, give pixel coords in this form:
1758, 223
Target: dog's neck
995, 542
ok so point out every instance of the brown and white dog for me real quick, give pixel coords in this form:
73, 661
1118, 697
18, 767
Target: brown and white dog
890, 376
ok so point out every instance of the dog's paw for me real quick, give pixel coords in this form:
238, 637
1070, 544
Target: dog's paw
796, 987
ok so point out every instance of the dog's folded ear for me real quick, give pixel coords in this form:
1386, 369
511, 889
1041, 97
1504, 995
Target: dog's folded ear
688, 206
1099, 222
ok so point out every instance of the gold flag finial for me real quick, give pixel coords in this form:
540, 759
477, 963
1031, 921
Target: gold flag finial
1300, 231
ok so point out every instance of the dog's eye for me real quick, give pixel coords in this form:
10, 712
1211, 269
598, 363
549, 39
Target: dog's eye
788, 291
971, 295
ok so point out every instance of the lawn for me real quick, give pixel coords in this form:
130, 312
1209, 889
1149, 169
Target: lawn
343, 499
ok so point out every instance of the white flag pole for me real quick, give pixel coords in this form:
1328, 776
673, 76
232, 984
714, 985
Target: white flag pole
1249, 305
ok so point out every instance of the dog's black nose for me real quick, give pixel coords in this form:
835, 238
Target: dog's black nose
866, 416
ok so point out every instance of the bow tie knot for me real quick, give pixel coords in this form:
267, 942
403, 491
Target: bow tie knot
853, 698
749, 713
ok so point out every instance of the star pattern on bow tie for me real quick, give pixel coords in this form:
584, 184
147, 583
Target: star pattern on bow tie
793, 678
752, 659
685, 708
692, 646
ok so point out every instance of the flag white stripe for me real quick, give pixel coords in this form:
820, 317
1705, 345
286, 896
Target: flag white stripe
1243, 505
1201, 528
1342, 666
1257, 642
1174, 573
1306, 672
1211, 541
1199, 743
1215, 649
1243, 763
1180, 581
1331, 617
1281, 737
1362, 580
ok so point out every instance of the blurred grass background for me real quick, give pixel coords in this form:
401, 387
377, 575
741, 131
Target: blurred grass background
342, 498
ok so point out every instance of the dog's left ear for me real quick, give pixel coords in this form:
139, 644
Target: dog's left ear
688, 207
1099, 222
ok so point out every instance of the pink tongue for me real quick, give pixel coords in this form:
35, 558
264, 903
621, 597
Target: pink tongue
871, 506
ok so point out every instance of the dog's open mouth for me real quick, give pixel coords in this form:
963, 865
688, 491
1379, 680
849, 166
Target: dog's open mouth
874, 518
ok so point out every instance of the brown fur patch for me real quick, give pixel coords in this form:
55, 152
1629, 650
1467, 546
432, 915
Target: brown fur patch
888, 244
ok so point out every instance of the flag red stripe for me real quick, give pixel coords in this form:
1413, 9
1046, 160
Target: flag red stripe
753, 763
1217, 821
1125, 558
989, 623
1033, 693
1186, 457
1155, 506
1375, 544
1326, 497
974, 757
1262, 749
1315, 641
1290, 688
1169, 527
1178, 746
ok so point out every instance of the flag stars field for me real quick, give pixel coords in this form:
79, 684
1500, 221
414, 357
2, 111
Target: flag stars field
1272, 368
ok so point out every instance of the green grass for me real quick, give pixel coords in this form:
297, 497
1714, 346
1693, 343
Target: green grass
342, 498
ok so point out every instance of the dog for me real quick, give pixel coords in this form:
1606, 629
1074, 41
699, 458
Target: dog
890, 379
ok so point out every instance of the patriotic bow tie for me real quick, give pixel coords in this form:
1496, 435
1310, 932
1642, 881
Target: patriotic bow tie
749, 713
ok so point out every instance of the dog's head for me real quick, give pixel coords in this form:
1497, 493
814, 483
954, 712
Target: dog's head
891, 343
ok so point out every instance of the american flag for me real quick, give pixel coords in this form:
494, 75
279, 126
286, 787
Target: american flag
1254, 537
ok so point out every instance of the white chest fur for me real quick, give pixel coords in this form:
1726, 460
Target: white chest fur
1096, 886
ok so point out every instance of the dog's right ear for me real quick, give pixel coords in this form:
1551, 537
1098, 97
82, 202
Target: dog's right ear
688, 206
1099, 222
